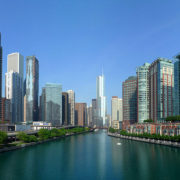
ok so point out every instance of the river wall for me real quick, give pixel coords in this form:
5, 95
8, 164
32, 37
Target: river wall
5, 149
153, 141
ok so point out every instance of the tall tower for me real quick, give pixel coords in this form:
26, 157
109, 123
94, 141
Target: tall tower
71, 106
161, 80
14, 85
0, 78
101, 100
142, 92
32, 88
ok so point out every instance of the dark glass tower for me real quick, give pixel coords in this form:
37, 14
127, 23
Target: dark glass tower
32, 88
0, 78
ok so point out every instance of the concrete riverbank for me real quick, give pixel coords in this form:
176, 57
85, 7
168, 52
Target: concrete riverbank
153, 141
5, 149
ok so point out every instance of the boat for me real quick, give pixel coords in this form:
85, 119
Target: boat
118, 144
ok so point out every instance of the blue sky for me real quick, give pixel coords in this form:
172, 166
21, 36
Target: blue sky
73, 39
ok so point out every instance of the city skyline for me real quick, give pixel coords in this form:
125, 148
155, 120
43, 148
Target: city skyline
93, 38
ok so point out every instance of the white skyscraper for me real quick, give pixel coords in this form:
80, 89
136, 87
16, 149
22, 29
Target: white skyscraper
14, 85
101, 99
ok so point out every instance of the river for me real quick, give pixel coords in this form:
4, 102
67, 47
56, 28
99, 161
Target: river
91, 156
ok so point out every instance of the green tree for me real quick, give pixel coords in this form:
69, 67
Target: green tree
3, 137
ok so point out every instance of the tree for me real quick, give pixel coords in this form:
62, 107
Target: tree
3, 137
44, 134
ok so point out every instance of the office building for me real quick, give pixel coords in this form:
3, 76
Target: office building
161, 80
129, 101
51, 104
81, 114
89, 116
177, 85
32, 88
0, 77
14, 85
143, 92
65, 109
71, 106
94, 113
101, 100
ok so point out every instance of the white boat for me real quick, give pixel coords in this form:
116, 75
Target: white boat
96, 130
118, 144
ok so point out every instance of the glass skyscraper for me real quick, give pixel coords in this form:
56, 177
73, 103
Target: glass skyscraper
32, 88
161, 80
177, 86
129, 101
52, 103
0, 77
101, 100
143, 92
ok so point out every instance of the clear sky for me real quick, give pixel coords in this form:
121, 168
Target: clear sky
73, 39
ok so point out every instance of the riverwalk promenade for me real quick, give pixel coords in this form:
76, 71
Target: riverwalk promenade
146, 140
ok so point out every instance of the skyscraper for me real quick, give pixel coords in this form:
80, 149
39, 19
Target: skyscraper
101, 99
161, 79
129, 101
116, 109
0, 78
143, 92
32, 88
71, 106
14, 85
65, 109
177, 86
81, 114
94, 113
51, 103
89, 116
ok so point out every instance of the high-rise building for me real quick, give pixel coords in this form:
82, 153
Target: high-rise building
32, 88
6, 110
94, 113
81, 114
65, 109
71, 106
0, 78
89, 116
14, 85
177, 85
143, 92
129, 101
101, 99
116, 109
161, 79
51, 104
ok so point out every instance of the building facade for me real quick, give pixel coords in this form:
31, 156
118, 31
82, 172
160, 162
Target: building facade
65, 109
89, 116
177, 86
94, 113
101, 100
129, 101
81, 114
1, 51
14, 85
143, 92
161, 80
71, 106
32, 88
6, 110
51, 104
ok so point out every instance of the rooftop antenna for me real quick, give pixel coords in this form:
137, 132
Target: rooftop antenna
102, 71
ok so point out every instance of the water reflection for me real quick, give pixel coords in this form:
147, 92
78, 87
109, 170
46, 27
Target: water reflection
91, 156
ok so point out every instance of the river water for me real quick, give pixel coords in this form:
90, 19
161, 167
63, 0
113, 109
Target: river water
91, 156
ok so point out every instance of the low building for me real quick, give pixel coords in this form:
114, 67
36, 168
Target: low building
115, 124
